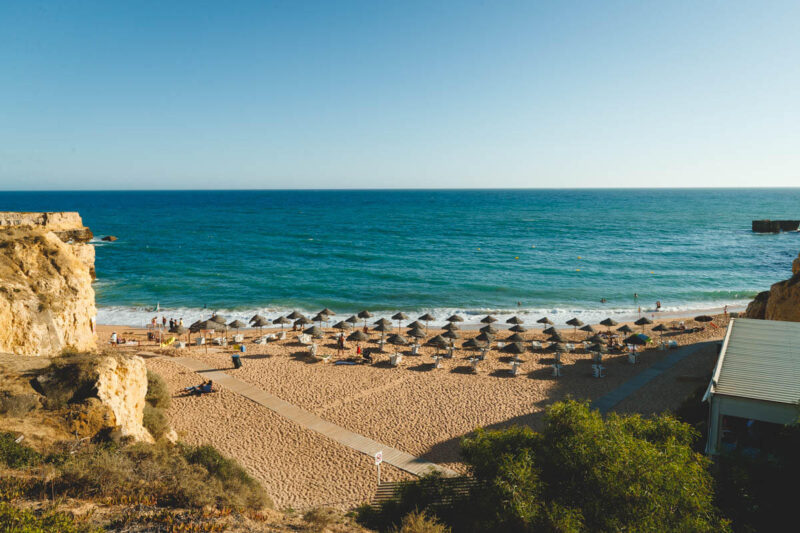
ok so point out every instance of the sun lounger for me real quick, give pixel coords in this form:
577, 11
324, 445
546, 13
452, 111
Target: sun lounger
536, 345
515, 368
450, 351
238, 339
437, 361
381, 345
673, 344
569, 347
598, 371
501, 345
473, 363
415, 349
220, 341
313, 350
556, 370
180, 344
282, 336
305, 338
396, 358
199, 341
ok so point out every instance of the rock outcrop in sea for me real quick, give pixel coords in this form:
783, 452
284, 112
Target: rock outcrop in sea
781, 301
46, 295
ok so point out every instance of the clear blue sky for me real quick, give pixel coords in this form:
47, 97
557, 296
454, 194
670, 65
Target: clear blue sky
127, 95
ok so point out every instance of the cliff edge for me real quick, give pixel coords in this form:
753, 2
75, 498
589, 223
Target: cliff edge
781, 301
46, 295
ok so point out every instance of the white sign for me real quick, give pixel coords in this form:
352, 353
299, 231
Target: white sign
379, 457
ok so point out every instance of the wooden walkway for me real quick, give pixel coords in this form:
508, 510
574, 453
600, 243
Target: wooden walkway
607, 402
392, 456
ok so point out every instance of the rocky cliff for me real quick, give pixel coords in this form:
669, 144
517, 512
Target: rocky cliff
46, 295
781, 301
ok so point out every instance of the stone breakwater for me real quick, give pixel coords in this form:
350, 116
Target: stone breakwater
46, 296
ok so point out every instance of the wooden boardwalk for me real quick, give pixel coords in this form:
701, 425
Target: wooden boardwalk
360, 443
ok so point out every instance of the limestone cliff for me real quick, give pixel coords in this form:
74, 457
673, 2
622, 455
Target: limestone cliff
122, 386
46, 295
781, 301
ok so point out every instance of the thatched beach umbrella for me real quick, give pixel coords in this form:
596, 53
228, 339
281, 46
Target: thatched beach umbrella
660, 328
635, 340
314, 331
488, 319
383, 322
485, 337
556, 347
517, 329
451, 335
516, 337
515, 320
320, 317
399, 317
342, 325
328, 312
575, 322
179, 330
417, 333
439, 342
260, 324
219, 319
489, 329
451, 326
587, 328
549, 331
352, 320
365, 315
358, 336
415, 325
644, 321
383, 328
544, 321
427, 318
597, 348
255, 318
609, 323
455, 318
556, 337
237, 324
294, 315
397, 340
280, 320
515, 348
302, 321
625, 328
596, 339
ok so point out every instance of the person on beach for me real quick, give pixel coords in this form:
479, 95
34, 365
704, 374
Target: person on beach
658, 306
180, 322
725, 313
163, 321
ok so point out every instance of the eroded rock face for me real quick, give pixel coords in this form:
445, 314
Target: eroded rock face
781, 302
46, 295
122, 386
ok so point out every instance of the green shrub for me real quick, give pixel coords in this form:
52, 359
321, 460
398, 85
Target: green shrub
420, 522
157, 391
155, 421
17, 455
161, 472
25, 521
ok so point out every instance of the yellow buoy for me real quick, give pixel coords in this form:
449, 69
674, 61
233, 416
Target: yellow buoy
579, 257
516, 257
479, 249
652, 272
577, 270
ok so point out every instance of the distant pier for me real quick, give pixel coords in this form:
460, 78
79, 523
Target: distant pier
775, 226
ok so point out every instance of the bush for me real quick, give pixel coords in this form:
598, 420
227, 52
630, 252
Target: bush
169, 475
420, 522
155, 421
322, 517
157, 391
25, 521
18, 404
581, 473
69, 378
17, 455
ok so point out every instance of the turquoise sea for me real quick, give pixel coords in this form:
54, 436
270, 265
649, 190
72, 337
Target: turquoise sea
554, 252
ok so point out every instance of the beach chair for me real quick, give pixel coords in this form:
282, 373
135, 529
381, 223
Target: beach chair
515, 368
598, 371
450, 352
501, 345
282, 336
324, 358
473, 363
673, 345
415, 349
313, 350
269, 337
396, 358
238, 339
556, 370
381, 344
305, 338
569, 347
536, 345
180, 344
437, 361
482, 356
200, 341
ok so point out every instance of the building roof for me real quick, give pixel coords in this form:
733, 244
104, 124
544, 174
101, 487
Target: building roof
760, 360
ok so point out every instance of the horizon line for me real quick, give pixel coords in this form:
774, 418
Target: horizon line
408, 189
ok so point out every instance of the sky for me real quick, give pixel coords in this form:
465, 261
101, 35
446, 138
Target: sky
379, 94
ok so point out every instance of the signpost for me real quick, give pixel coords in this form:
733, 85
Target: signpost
378, 461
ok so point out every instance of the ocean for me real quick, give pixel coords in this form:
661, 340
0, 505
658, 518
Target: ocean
560, 253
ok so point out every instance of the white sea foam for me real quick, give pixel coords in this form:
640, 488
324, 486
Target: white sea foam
140, 316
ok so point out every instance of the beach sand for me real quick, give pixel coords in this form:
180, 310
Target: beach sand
415, 408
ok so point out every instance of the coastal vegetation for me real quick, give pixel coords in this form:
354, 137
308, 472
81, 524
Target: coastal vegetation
581, 473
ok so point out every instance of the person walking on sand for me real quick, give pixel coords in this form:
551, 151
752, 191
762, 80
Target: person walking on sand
658, 306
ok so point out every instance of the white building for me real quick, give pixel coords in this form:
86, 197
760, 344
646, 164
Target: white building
755, 387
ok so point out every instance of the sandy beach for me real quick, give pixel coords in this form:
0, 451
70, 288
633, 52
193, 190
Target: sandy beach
413, 407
